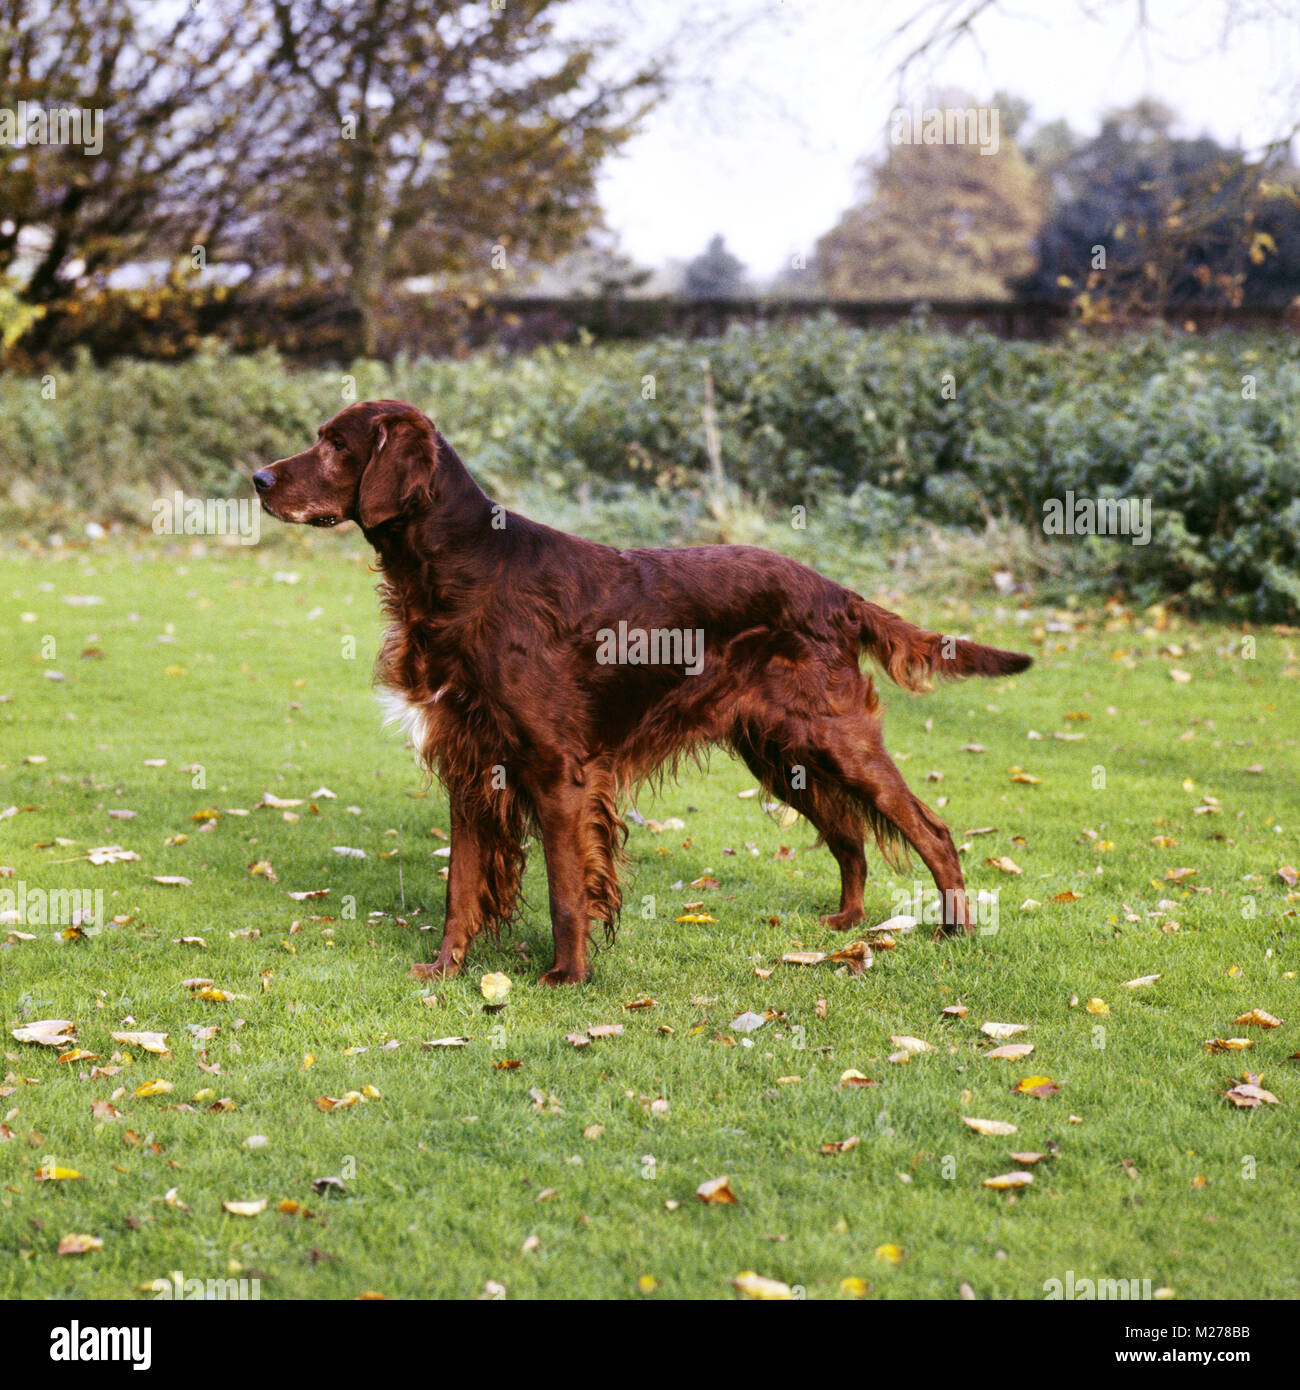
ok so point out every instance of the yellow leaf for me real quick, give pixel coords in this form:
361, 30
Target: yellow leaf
755, 1286
1008, 1180
494, 987
153, 1088
245, 1208
79, 1245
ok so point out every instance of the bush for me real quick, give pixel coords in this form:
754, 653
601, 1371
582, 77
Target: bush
870, 432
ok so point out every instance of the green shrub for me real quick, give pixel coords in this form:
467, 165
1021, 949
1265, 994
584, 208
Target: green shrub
872, 433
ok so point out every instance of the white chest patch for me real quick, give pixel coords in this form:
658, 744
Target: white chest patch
408, 716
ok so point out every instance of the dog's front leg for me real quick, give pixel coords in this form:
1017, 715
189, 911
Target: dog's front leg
472, 893
560, 813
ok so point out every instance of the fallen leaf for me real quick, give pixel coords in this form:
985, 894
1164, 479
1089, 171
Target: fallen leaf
245, 1208
79, 1245
49, 1032
1257, 1018
153, 1088
1006, 864
1003, 1030
993, 1127
1011, 1052
755, 1286
1008, 1180
494, 987
1247, 1096
717, 1191
150, 1042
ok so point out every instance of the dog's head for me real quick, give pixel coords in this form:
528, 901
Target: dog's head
372, 462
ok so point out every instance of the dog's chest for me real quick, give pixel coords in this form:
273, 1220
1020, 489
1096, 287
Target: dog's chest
422, 716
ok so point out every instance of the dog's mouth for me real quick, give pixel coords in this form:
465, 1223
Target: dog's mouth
328, 520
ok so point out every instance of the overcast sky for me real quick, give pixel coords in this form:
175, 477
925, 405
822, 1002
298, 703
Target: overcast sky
768, 158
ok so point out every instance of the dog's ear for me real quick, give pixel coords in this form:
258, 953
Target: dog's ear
400, 469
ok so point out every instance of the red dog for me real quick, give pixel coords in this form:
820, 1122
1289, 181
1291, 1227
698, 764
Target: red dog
542, 676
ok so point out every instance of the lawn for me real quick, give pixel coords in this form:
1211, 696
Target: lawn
566, 1172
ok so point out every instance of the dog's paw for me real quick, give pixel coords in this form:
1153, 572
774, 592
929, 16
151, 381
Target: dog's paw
842, 921
948, 931
443, 968
556, 976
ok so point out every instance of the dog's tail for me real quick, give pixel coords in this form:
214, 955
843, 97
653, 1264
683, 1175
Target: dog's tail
912, 657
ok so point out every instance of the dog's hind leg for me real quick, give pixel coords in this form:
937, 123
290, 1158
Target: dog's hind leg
869, 775
800, 782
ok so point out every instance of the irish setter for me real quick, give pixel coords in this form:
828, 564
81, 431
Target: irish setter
542, 676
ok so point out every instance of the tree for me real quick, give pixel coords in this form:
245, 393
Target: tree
936, 221
1142, 220
716, 274
1209, 213
155, 93
438, 139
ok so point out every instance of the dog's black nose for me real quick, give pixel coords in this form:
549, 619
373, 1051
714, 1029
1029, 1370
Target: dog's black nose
263, 479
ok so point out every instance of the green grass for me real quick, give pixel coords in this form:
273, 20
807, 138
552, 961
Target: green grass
447, 1168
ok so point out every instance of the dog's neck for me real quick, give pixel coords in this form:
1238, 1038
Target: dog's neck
424, 544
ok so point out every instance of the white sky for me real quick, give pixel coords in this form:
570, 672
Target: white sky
768, 158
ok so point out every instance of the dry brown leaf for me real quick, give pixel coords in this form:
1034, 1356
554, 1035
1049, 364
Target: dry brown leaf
1257, 1018
717, 1191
